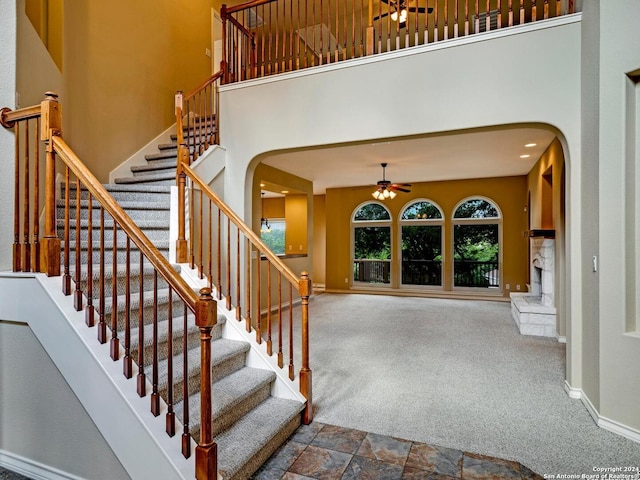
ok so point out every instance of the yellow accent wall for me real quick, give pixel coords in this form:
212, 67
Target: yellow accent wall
319, 240
297, 222
508, 193
124, 62
545, 184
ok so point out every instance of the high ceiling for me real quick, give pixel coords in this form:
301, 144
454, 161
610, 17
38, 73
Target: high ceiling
465, 155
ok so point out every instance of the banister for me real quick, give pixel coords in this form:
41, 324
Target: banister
8, 117
244, 228
251, 4
161, 264
203, 85
240, 26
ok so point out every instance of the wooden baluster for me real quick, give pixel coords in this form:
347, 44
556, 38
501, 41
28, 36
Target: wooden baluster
36, 197
200, 236
17, 249
259, 299
304, 289
546, 9
263, 43
276, 53
558, 12
370, 31
192, 258
206, 451
115, 342
455, 19
269, 49
291, 366
170, 420
337, 52
141, 379
238, 279
89, 310
280, 354
181, 178
155, 396
186, 437
353, 29
511, 13
66, 278
435, 21
534, 10
219, 261
127, 362
500, 14
466, 17
476, 27
228, 264
51, 126
248, 250
322, 42
77, 298
102, 324
210, 247
26, 246
224, 63
488, 17
446, 20
269, 342
522, 16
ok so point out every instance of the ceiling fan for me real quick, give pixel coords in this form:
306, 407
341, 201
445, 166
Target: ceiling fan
400, 9
386, 189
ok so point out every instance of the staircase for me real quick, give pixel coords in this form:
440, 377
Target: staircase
249, 424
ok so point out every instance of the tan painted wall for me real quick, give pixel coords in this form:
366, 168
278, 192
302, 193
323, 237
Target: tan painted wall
547, 212
509, 193
298, 221
124, 62
319, 240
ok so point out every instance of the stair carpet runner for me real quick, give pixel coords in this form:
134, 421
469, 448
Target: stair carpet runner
248, 423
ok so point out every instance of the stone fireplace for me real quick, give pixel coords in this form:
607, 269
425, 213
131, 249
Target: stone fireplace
534, 311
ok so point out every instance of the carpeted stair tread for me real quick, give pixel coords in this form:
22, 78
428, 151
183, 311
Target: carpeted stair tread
228, 396
171, 176
143, 224
160, 245
166, 154
125, 204
259, 429
134, 270
168, 146
148, 300
157, 165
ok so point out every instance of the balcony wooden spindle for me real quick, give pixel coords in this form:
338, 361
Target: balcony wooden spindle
228, 266
259, 298
280, 352
66, 277
249, 252
26, 246
170, 419
269, 342
238, 277
291, 366
102, 324
90, 309
141, 378
155, 396
186, 437
127, 362
115, 341
17, 249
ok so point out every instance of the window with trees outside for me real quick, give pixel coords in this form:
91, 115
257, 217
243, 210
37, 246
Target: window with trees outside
476, 244
421, 244
372, 244
273, 237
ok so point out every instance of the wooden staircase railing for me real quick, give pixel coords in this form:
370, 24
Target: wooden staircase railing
265, 37
86, 267
217, 235
210, 241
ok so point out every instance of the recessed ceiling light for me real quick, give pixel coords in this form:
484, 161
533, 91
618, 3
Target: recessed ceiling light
525, 156
529, 145
285, 191
262, 184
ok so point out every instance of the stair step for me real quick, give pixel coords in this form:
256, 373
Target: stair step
232, 397
135, 192
167, 179
134, 253
168, 146
170, 152
252, 440
154, 167
227, 356
128, 205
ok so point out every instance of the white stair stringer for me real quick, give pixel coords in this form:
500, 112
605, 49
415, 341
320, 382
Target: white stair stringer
137, 438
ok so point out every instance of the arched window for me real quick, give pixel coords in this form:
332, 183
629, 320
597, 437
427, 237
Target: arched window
421, 243
476, 244
371, 224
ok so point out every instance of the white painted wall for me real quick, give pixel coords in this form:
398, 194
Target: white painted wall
7, 98
619, 351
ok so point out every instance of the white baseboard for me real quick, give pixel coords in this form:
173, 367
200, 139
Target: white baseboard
572, 392
601, 421
561, 339
32, 469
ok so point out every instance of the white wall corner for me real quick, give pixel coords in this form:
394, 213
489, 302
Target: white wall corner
210, 164
572, 392
124, 169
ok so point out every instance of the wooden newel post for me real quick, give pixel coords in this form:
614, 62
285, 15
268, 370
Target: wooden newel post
207, 449
51, 127
304, 288
181, 180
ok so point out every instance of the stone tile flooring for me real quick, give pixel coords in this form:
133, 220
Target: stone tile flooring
327, 452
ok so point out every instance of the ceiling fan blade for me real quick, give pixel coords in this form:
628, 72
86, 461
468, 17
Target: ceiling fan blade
399, 189
420, 9
380, 16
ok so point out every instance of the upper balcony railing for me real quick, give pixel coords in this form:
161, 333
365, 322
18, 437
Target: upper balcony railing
266, 37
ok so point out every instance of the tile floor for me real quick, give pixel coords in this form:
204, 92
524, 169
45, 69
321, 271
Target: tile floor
327, 452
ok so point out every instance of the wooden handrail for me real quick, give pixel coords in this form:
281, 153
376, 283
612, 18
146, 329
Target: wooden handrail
203, 85
163, 266
239, 25
8, 117
244, 228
